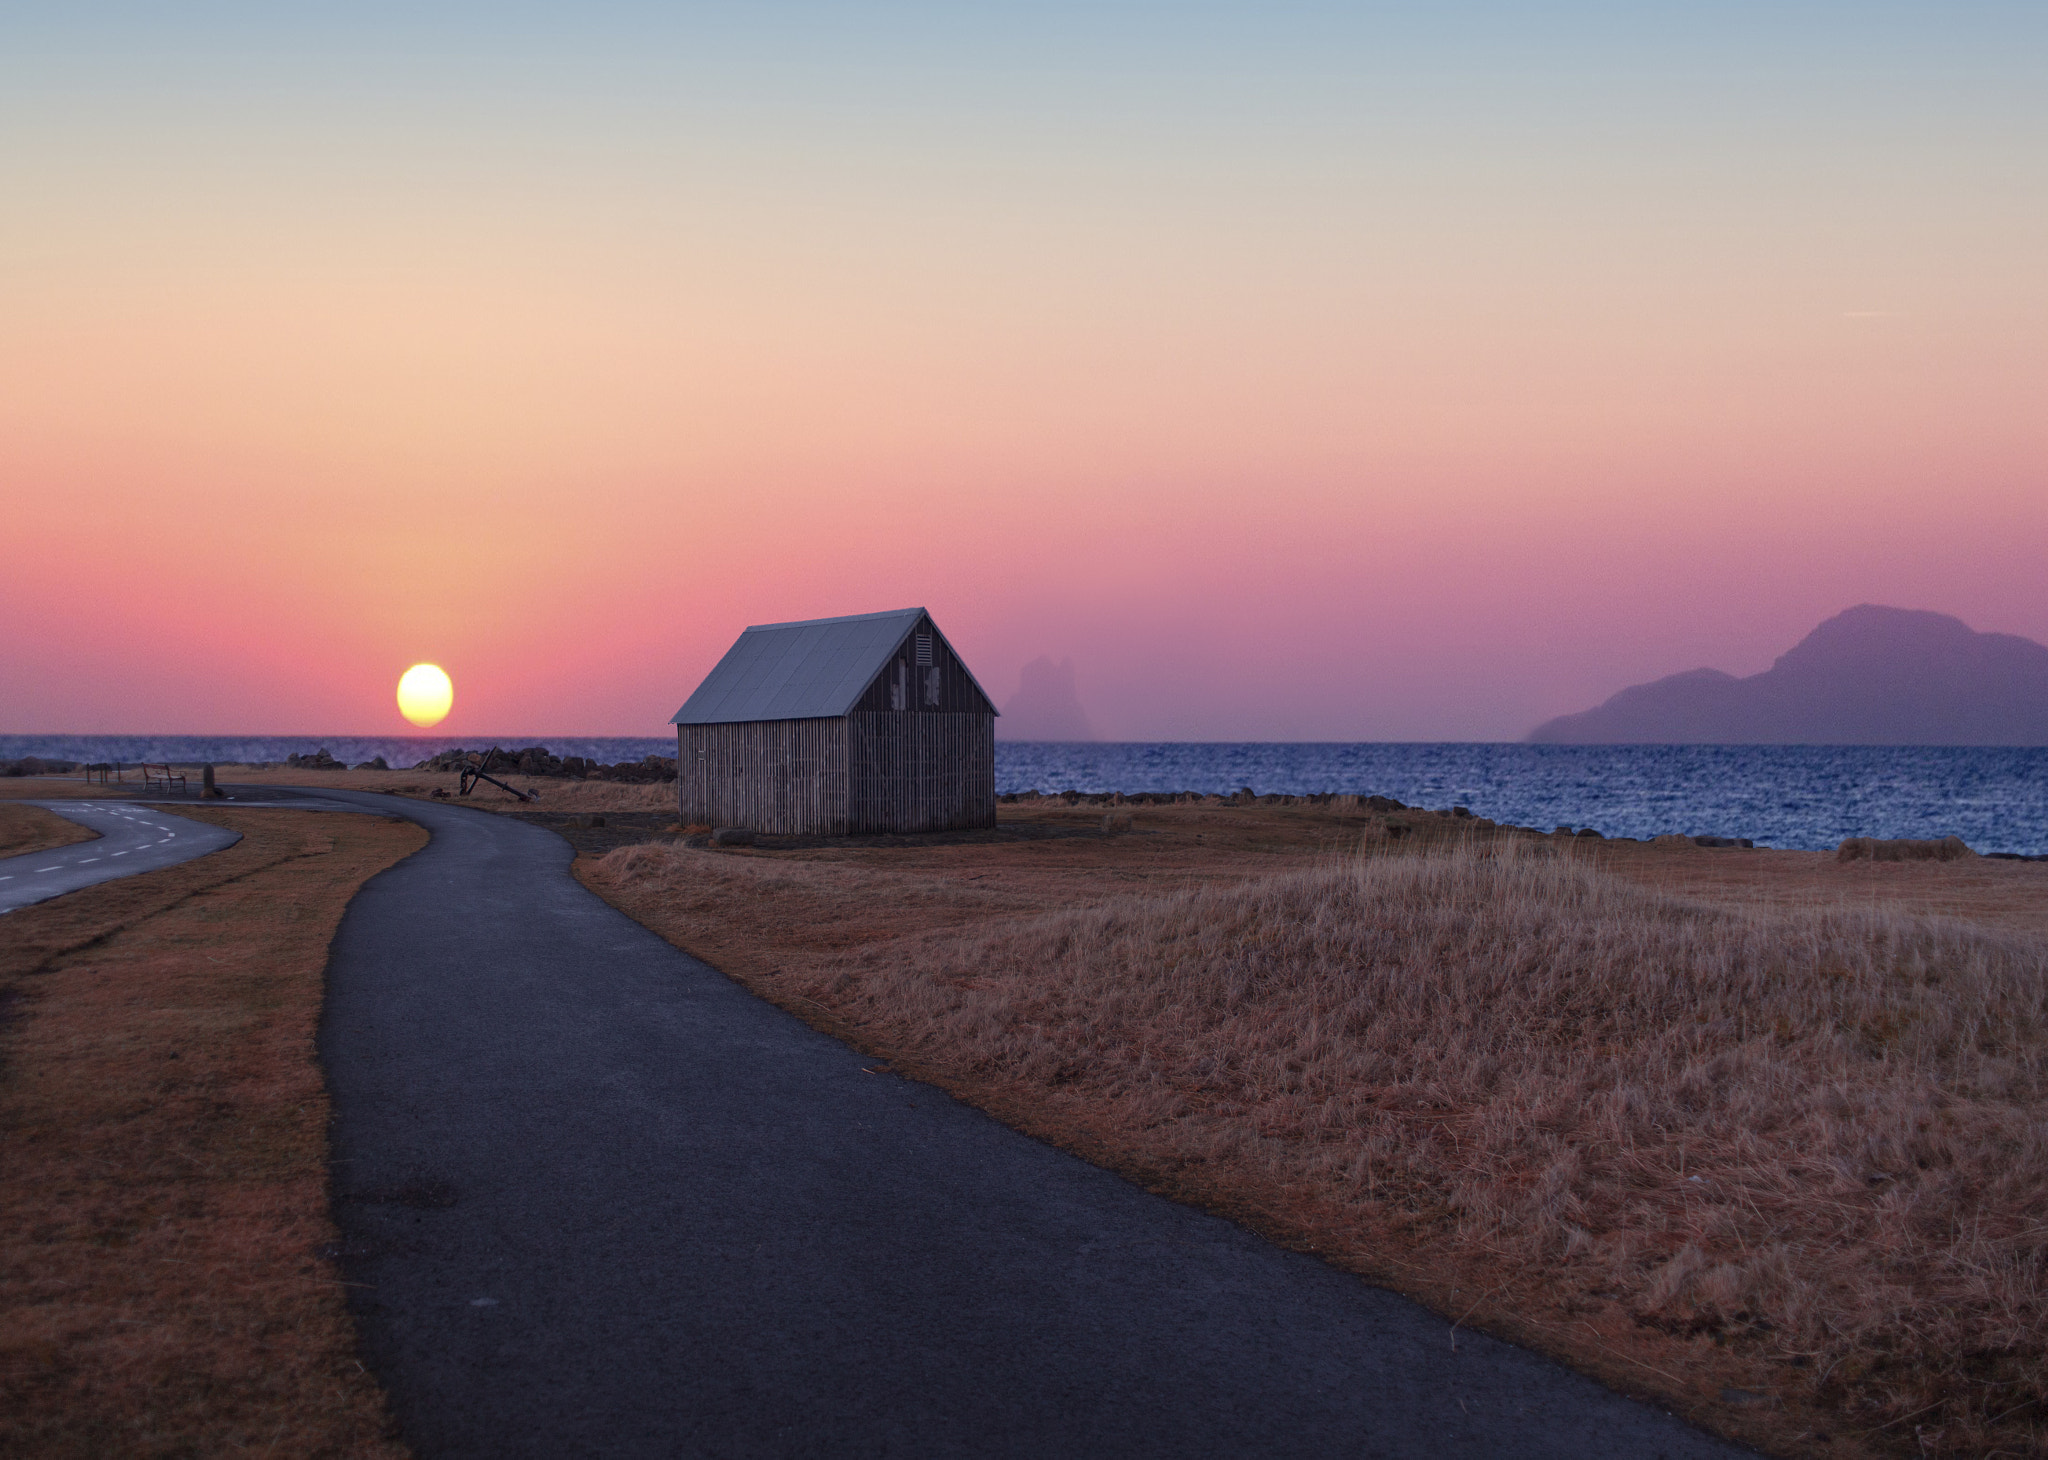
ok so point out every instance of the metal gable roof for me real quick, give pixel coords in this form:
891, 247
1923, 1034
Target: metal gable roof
815, 669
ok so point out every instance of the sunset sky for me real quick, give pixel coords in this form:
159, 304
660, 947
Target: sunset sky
1300, 371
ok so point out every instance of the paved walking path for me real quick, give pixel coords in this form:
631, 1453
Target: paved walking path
133, 837
596, 1199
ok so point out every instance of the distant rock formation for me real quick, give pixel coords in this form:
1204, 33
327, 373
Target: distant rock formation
1869, 676
1045, 706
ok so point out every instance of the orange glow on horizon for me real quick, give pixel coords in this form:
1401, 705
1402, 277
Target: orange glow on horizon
1338, 411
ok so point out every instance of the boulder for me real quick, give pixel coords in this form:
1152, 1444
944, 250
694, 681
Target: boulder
319, 760
1902, 849
529, 760
732, 836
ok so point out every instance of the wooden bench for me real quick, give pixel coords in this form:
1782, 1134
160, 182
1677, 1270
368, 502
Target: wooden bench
161, 778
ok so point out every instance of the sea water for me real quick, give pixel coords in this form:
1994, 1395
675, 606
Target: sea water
1807, 796
1810, 796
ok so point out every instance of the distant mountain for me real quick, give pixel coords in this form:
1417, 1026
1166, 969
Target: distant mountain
1046, 705
1870, 676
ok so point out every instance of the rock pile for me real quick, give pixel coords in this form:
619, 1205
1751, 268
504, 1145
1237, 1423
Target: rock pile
538, 760
1902, 849
1390, 828
32, 765
1855, 849
319, 760
1244, 797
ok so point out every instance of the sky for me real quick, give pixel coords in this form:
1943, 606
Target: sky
1300, 371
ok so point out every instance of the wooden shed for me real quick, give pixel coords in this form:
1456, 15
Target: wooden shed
837, 726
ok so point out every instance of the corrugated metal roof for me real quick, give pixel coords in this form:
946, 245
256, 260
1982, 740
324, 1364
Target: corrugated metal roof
814, 669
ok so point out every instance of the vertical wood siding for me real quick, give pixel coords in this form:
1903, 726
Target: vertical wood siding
916, 754
920, 772
872, 772
784, 777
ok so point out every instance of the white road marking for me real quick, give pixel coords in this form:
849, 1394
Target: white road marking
50, 869
118, 854
88, 861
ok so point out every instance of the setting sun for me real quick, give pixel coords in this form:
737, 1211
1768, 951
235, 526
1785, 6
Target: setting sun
425, 695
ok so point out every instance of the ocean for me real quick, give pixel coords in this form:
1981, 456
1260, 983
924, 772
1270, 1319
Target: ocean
1802, 796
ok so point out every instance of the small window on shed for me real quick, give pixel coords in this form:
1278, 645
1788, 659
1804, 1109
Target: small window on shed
924, 651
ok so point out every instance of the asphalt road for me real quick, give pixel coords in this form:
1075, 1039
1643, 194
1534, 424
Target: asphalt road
133, 837
596, 1199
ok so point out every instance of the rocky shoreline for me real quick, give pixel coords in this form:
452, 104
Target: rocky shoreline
35, 765
532, 760
539, 761
1381, 805
1878, 849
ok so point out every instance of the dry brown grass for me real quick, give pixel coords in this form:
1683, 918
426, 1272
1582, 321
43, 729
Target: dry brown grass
64, 788
1784, 1167
556, 794
25, 829
164, 1289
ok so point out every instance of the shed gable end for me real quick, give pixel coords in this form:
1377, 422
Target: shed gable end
924, 676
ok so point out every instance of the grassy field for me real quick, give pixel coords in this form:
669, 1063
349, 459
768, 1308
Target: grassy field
1756, 1134
165, 1288
1759, 1135
25, 829
554, 793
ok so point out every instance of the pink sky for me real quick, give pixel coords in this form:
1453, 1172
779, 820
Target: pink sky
1288, 424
